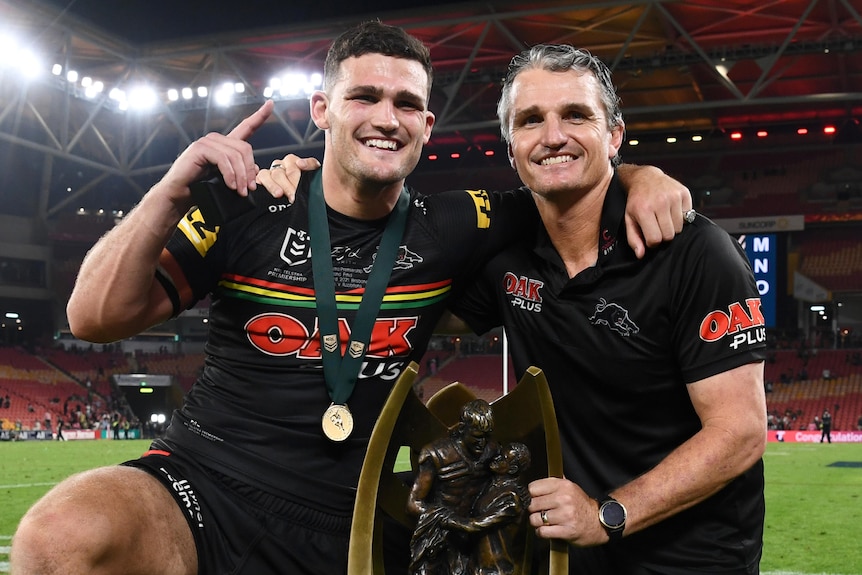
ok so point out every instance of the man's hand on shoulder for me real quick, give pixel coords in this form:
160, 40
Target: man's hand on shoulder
655, 206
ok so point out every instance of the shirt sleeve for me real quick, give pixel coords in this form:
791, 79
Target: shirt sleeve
718, 322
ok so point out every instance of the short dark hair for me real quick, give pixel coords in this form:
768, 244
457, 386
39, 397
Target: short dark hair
375, 37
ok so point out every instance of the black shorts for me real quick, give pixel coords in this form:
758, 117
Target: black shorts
239, 529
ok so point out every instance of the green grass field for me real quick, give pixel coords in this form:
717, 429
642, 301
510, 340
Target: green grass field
814, 508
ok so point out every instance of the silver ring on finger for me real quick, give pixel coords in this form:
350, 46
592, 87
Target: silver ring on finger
276, 166
689, 216
544, 516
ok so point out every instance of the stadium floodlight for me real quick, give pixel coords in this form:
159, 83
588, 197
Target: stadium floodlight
293, 85
142, 98
187, 93
224, 95
173, 95
202, 91
28, 63
8, 51
94, 89
72, 76
57, 69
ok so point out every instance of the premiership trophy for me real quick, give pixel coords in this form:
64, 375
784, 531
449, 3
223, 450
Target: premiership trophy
465, 499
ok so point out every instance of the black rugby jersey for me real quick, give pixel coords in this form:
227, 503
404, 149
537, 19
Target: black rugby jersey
618, 344
255, 412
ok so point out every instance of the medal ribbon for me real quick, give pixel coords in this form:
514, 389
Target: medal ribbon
340, 372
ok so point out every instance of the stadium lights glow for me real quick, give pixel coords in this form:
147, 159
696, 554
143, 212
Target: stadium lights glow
142, 98
671, 140
634, 142
224, 95
28, 64
697, 138
293, 84
23, 60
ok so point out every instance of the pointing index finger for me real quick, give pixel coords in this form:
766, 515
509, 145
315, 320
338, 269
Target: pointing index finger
249, 126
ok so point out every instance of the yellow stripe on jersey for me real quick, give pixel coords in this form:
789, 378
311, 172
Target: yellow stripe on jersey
483, 208
196, 231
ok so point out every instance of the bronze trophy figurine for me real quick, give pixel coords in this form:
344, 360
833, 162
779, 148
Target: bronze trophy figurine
471, 462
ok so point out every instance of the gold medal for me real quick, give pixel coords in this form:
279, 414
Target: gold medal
337, 422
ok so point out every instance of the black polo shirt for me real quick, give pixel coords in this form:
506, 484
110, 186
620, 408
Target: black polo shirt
619, 342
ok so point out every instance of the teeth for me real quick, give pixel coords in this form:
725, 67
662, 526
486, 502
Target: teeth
557, 160
383, 144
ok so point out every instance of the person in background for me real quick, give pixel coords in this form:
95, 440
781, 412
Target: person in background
826, 426
257, 472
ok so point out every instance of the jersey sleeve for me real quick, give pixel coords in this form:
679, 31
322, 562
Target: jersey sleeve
190, 264
479, 226
718, 322
475, 225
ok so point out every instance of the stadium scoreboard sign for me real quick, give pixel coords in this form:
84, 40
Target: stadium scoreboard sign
762, 252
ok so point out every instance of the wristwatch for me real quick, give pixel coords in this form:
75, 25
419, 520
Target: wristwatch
612, 516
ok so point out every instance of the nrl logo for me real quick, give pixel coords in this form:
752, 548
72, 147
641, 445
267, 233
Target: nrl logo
330, 342
356, 349
296, 248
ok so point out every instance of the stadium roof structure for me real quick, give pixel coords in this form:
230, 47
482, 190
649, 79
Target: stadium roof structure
702, 66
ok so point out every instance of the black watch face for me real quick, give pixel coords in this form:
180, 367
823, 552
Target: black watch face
613, 514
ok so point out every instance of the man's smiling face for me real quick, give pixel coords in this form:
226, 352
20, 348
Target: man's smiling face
560, 139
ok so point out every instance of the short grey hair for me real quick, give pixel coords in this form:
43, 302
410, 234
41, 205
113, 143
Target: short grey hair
558, 58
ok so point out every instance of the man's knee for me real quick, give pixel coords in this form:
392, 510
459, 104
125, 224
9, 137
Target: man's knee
94, 519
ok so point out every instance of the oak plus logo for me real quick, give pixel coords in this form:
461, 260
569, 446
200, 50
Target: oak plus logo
523, 292
742, 322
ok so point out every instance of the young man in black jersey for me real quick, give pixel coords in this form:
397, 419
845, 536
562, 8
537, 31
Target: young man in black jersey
257, 472
655, 364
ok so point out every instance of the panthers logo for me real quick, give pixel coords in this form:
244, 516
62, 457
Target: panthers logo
404, 260
615, 317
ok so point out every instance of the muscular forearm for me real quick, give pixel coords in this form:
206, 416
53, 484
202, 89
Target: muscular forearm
696, 470
116, 294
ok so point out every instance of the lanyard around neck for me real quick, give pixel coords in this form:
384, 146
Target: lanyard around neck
340, 372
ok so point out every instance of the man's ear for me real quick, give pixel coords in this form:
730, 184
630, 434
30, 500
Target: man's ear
430, 118
616, 142
319, 103
511, 156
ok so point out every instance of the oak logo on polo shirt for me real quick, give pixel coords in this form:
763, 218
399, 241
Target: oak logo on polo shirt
743, 321
523, 292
